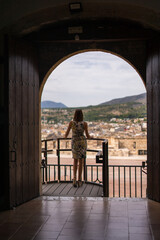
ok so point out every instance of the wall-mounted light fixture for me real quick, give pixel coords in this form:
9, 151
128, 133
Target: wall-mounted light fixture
75, 7
76, 37
75, 31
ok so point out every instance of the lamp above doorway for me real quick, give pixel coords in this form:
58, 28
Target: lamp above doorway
75, 7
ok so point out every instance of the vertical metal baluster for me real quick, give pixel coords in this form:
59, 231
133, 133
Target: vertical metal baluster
105, 169
54, 172
85, 170
108, 181
43, 174
49, 172
119, 179
91, 173
65, 172
46, 160
113, 183
135, 182
97, 174
130, 179
70, 174
86, 174
141, 180
102, 173
58, 155
124, 181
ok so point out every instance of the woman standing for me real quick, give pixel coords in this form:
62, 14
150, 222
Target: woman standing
79, 144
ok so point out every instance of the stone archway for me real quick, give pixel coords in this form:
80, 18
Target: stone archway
133, 50
74, 54
130, 29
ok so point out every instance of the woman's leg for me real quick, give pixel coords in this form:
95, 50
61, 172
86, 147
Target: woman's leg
81, 162
74, 172
75, 168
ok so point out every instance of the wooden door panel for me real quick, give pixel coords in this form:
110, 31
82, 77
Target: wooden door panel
31, 131
23, 111
18, 111
153, 119
36, 130
12, 128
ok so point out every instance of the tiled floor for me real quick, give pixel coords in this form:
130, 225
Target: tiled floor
77, 218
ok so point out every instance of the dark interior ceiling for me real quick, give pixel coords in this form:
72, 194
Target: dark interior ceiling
98, 30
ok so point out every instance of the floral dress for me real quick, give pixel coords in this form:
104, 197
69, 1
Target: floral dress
79, 143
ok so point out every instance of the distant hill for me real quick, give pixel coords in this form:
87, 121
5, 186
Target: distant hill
129, 107
51, 104
141, 98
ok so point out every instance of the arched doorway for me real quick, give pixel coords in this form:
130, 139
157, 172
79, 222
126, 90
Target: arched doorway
131, 49
111, 139
133, 37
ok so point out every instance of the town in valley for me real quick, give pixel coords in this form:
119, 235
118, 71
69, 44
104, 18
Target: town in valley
126, 137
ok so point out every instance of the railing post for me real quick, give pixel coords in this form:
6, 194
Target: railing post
105, 169
58, 155
45, 156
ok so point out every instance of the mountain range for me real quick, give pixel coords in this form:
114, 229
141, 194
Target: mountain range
141, 98
51, 104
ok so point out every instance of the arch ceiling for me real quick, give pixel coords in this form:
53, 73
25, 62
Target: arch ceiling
22, 17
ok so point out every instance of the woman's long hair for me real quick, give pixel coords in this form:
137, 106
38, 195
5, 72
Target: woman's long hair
78, 115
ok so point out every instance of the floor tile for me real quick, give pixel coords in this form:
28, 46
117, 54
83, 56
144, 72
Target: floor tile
120, 225
110, 237
118, 220
71, 232
93, 234
47, 234
52, 227
95, 228
139, 230
137, 236
68, 238
82, 219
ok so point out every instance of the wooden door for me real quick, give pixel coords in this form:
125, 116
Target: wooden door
23, 122
153, 119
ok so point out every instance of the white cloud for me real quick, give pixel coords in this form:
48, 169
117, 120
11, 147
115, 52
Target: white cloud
91, 78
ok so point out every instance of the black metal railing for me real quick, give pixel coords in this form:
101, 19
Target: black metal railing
45, 164
127, 181
117, 180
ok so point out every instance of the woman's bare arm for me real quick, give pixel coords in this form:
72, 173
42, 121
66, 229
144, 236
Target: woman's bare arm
86, 130
68, 130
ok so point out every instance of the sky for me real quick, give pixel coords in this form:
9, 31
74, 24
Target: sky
92, 78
